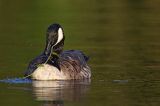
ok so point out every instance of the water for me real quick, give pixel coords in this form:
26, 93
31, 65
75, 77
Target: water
121, 37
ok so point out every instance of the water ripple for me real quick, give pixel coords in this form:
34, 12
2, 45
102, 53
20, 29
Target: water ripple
16, 80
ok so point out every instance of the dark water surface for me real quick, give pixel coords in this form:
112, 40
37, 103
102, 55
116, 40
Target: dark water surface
121, 37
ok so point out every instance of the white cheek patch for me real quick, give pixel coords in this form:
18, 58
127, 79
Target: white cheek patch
60, 36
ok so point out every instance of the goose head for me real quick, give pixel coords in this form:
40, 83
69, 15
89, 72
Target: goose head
54, 39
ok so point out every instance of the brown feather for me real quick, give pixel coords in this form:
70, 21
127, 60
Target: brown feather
73, 65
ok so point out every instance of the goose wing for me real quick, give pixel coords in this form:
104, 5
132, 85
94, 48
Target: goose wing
73, 63
34, 64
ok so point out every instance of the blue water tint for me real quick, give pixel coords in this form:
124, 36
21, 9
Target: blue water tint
16, 80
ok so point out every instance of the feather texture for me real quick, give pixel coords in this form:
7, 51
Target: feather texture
72, 65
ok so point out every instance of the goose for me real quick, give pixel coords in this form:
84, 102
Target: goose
54, 63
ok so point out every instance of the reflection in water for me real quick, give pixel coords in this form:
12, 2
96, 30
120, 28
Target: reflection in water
55, 92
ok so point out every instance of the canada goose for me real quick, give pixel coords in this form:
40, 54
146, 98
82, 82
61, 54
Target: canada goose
56, 64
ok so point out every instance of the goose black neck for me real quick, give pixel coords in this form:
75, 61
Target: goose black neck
48, 49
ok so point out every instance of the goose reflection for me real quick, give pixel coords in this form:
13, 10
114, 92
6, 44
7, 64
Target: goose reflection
53, 93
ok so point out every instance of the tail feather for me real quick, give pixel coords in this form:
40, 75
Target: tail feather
85, 57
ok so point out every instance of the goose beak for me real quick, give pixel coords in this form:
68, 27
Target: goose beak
48, 48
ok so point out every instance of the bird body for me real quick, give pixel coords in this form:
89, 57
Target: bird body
48, 72
72, 65
56, 64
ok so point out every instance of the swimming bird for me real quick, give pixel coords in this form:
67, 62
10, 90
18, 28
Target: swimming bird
54, 63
